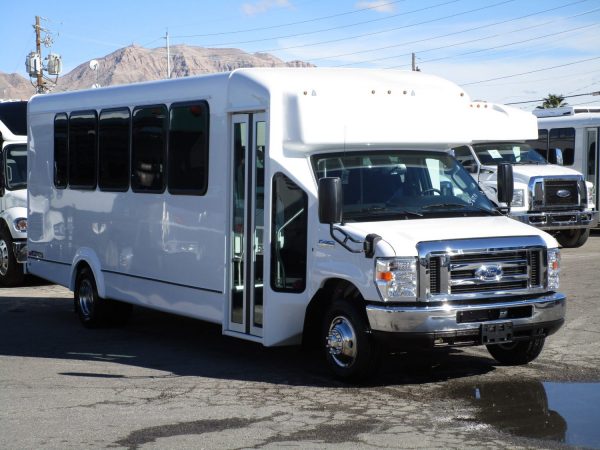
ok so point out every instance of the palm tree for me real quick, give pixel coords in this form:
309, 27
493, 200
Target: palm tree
553, 101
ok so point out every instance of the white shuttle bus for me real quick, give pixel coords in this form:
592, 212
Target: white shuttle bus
290, 205
569, 136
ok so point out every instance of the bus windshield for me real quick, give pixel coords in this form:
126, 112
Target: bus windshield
494, 153
16, 166
390, 185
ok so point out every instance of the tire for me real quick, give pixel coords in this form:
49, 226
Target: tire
517, 353
94, 311
11, 272
349, 350
573, 238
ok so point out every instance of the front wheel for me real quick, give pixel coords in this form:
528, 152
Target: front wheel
350, 352
11, 272
573, 238
517, 353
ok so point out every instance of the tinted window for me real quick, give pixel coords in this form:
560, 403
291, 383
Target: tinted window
82, 150
61, 151
464, 156
188, 148
14, 116
564, 139
540, 144
148, 147
16, 166
288, 240
113, 148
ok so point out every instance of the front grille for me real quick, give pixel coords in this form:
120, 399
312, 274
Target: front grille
561, 193
485, 272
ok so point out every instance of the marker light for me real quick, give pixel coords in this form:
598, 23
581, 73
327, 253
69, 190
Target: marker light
553, 268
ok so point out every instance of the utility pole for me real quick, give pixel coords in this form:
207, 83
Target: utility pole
34, 63
168, 55
415, 68
40, 86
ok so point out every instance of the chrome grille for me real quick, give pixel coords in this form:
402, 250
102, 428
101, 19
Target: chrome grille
561, 193
455, 273
552, 193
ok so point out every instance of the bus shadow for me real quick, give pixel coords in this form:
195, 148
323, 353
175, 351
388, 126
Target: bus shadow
48, 328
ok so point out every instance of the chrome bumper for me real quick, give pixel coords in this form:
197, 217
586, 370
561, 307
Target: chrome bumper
421, 319
559, 220
20, 251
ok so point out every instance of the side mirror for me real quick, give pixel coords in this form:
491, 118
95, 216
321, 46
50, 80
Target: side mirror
330, 200
505, 183
555, 156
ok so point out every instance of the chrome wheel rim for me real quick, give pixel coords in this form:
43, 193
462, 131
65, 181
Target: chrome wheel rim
341, 342
86, 298
3, 257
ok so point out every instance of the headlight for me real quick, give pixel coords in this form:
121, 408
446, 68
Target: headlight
396, 278
591, 191
518, 198
553, 268
20, 224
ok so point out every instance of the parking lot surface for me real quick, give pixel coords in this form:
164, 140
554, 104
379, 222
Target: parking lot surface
169, 382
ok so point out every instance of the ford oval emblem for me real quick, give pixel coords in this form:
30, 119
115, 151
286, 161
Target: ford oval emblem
489, 273
563, 193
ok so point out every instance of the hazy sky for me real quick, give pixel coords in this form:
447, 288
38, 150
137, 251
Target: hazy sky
498, 50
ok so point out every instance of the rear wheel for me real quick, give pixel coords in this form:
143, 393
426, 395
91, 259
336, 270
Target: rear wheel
517, 353
350, 351
573, 238
94, 311
11, 272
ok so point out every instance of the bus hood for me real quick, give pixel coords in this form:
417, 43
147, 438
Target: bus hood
523, 172
16, 198
404, 235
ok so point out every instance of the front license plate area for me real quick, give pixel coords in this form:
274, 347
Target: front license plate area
496, 333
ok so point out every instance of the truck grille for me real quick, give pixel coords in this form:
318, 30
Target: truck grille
474, 272
553, 193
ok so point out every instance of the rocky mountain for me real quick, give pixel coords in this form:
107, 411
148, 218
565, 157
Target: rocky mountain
133, 64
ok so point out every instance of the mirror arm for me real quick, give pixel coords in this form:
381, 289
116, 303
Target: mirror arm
347, 238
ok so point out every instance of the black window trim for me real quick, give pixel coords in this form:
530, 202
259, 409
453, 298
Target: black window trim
130, 139
165, 150
191, 192
66, 116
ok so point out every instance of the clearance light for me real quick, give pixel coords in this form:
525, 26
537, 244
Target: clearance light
396, 278
553, 268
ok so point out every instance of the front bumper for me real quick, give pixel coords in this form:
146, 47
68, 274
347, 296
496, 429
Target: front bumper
20, 251
459, 324
558, 220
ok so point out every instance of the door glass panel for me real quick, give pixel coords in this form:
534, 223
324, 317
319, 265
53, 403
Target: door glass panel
240, 136
259, 202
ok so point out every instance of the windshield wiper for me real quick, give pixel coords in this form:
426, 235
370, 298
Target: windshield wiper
386, 210
462, 206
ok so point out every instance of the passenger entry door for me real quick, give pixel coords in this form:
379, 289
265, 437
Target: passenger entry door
245, 312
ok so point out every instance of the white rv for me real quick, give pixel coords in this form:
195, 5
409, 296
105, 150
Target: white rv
288, 205
13, 192
569, 136
548, 196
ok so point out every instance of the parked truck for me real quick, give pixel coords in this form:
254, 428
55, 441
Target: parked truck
548, 196
288, 206
13, 192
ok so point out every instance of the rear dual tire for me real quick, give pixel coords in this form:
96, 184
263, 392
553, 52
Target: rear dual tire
94, 311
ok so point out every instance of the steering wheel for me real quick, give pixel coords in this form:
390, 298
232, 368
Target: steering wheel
426, 191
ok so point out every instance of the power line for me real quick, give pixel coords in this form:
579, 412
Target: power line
370, 50
301, 22
532, 71
563, 96
352, 25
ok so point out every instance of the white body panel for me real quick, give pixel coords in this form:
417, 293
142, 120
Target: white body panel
173, 252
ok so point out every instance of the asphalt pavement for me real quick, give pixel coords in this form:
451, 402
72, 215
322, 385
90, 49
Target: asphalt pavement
170, 382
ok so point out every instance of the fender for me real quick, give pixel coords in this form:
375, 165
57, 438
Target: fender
87, 255
10, 215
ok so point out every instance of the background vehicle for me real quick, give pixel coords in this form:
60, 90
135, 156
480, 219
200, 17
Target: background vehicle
569, 136
13, 192
550, 197
288, 205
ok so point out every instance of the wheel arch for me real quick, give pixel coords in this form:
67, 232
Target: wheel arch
319, 303
86, 257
